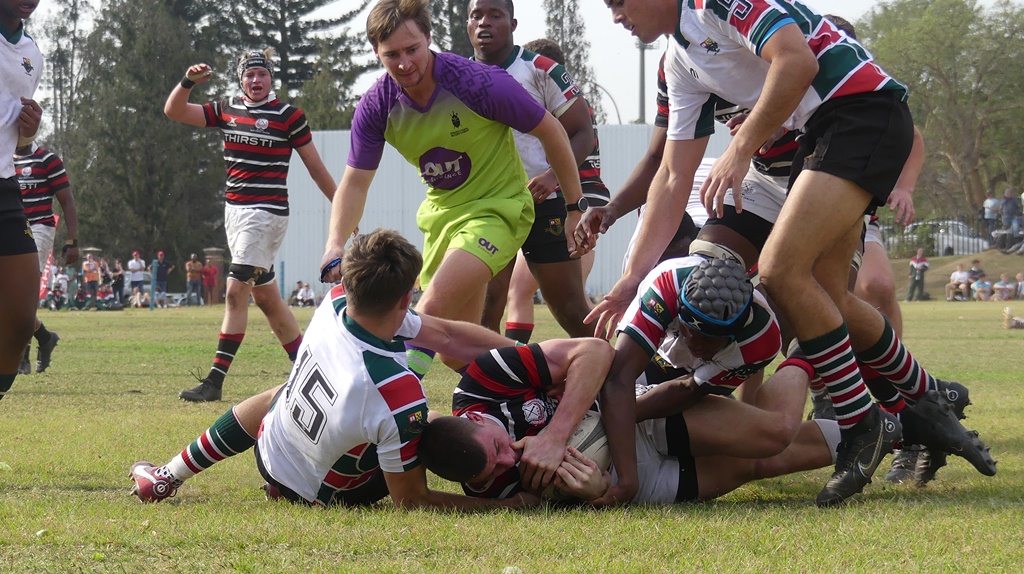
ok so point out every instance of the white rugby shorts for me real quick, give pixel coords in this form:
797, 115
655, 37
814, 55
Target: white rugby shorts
43, 234
254, 235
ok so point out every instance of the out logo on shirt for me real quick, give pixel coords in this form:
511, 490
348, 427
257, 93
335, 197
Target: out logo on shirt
443, 168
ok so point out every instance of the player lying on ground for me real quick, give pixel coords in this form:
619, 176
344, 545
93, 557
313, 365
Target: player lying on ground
312, 449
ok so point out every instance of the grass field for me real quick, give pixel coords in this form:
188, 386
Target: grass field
68, 436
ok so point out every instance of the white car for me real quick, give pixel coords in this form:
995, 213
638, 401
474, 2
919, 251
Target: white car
951, 237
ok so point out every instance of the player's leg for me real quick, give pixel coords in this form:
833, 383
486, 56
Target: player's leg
284, 324
19, 292
497, 298
47, 341
520, 322
233, 432
876, 283
456, 291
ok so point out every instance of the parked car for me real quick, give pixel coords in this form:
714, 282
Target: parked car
949, 237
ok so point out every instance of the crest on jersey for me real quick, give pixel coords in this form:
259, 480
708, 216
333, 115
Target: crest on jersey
456, 122
555, 226
535, 412
27, 64
710, 45
262, 124
26, 171
655, 306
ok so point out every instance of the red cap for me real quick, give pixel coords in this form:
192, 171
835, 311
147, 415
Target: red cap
135, 253
159, 253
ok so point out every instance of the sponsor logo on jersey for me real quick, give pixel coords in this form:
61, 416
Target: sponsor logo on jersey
247, 139
535, 412
27, 64
555, 226
262, 124
492, 249
710, 45
443, 168
456, 122
654, 305
231, 122
26, 171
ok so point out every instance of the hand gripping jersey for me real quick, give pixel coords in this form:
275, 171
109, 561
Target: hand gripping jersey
461, 141
258, 144
41, 175
717, 51
652, 319
350, 409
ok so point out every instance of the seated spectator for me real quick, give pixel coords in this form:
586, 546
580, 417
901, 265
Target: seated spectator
139, 297
1004, 289
104, 296
293, 299
57, 299
305, 297
82, 299
1020, 286
161, 298
959, 284
976, 272
981, 290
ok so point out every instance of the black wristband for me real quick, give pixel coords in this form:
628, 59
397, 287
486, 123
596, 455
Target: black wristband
187, 83
70, 244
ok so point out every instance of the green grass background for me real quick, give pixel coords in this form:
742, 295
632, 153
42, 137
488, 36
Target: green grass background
69, 435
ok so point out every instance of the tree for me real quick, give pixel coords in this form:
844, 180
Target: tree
450, 26
567, 29
962, 65
327, 99
67, 35
140, 180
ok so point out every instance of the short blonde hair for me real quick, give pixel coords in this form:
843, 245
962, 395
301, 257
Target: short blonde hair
387, 15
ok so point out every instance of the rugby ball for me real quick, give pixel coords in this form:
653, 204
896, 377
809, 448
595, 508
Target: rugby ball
588, 438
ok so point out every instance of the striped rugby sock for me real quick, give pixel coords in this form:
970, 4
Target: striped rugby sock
227, 346
893, 362
833, 360
224, 439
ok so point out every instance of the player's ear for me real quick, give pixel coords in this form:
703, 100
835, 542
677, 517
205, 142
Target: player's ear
514, 24
474, 416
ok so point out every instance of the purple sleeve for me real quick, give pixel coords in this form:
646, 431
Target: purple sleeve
489, 91
369, 122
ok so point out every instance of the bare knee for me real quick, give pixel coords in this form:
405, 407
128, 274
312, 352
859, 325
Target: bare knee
877, 289
775, 437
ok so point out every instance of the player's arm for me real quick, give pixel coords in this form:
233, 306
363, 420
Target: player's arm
346, 210
669, 193
317, 170
575, 119
458, 339
409, 490
578, 367
668, 398
791, 71
69, 208
901, 199
630, 196
177, 106
559, 153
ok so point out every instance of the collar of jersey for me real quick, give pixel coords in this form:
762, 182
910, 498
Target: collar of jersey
678, 34
33, 148
369, 338
249, 104
12, 37
516, 52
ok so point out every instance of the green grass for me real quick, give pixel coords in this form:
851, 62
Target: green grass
68, 436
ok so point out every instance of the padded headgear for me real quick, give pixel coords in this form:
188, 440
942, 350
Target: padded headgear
255, 59
716, 298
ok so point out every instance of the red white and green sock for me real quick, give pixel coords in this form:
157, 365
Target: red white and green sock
893, 362
224, 439
227, 347
834, 361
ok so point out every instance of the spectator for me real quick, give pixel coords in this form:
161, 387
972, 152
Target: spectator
194, 275
1004, 289
991, 208
104, 297
105, 276
305, 297
139, 297
91, 275
210, 281
1011, 212
293, 299
117, 282
1020, 286
136, 271
981, 290
959, 284
59, 290
161, 296
162, 270
918, 265
976, 272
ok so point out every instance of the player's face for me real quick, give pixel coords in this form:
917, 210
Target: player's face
14, 11
406, 55
256, 83
498, 446
703, 346
645, 19
489, 27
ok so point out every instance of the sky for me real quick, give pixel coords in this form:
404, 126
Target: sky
613, 51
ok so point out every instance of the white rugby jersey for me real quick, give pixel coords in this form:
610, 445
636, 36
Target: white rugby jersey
350, 409
21, 69
717, 51
549, 84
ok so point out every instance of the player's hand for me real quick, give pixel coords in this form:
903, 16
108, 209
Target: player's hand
902, 202
726, 175
542, 186
619, 493
330, 265
610, 309
572, 221
579, 477
29, 117
71, 255
199, 73
541, 456
595, 221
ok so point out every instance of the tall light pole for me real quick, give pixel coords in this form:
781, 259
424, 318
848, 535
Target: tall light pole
609, 94
643, 76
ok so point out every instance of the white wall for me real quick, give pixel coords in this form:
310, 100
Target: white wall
397, 191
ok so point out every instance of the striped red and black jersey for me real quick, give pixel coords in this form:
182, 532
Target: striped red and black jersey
508, 386
41, 175
258, 143
590, 169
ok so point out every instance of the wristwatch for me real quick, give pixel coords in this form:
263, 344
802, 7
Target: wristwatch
580, 205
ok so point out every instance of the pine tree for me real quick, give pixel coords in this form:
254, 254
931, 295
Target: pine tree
566, 28
450, 26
